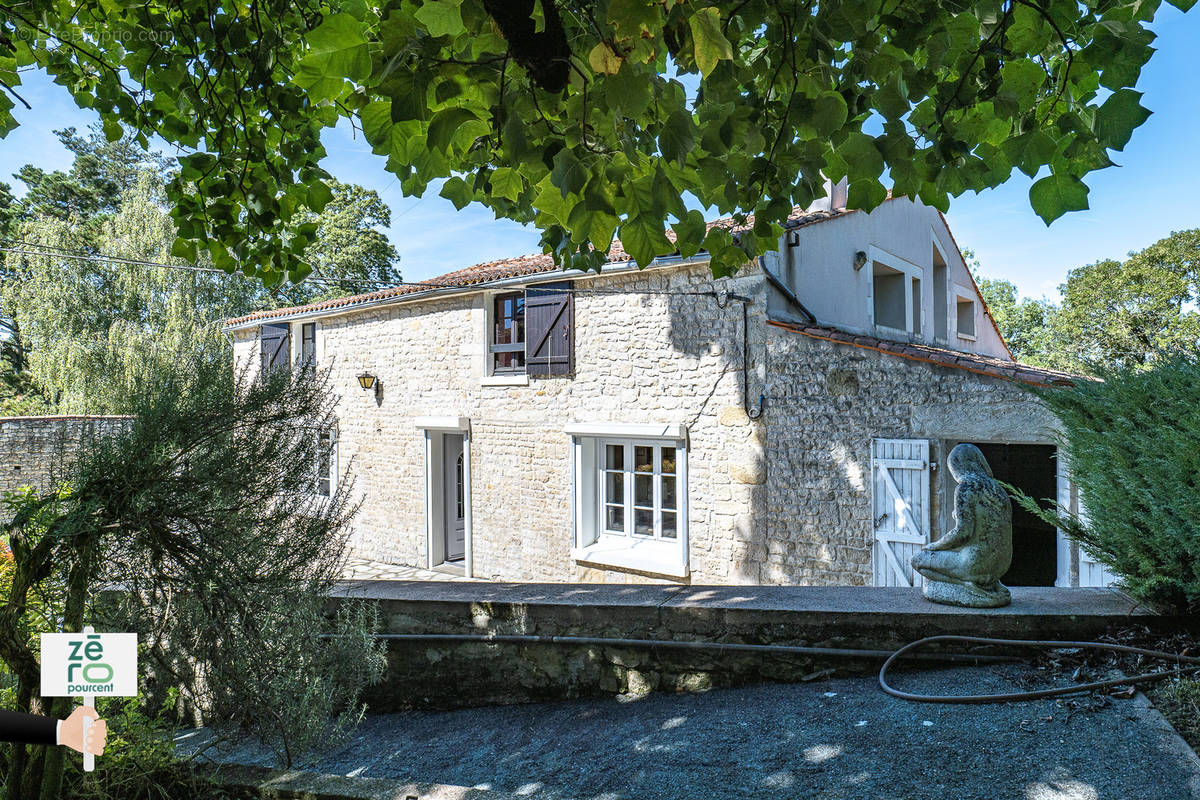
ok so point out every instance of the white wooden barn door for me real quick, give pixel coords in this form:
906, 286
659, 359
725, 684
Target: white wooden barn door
900, 507
1091, 571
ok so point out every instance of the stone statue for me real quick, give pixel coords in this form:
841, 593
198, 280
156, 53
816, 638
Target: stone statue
963, 568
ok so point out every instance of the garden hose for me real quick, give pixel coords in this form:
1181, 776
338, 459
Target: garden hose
1039, 693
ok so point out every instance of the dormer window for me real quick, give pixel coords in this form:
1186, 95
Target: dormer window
964, 304
897, 300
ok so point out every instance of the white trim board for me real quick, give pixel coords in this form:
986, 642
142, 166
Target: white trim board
453, 424
674, 431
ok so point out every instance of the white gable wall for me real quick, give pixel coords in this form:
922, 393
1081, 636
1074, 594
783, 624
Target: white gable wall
900, 234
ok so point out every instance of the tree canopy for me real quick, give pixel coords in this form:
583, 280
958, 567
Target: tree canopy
1114, 314
80, 326
589, 119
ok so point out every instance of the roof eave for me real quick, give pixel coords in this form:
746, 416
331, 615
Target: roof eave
615, 267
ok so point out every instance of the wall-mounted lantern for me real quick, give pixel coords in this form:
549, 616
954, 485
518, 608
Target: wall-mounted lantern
860, 260
368, 382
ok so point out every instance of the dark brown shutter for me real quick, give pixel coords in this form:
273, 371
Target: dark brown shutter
275, 347
549, 330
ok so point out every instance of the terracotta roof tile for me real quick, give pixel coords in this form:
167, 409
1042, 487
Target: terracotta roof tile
972, 362
501, 269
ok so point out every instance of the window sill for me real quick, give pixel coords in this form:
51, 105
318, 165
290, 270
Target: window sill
504, 380
645, 555
967, 336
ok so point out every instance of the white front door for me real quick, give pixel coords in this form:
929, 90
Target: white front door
900, 507
455, 495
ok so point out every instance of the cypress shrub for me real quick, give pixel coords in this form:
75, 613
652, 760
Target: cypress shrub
1132, 442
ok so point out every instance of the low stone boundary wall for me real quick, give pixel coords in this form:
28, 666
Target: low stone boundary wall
36, 451
423, 674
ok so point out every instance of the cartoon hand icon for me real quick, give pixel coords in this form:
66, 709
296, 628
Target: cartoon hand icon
71, 733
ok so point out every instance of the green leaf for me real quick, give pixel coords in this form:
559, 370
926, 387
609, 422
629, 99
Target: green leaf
862, 157
441, 17
458, 192
689, 233
113, 130
1055, 195
1023, 79
337, 51
828, 114
570, 175
319, 195
677, 137
185, 249
506, 182
644, 239
1116, 119
1031, 151
445, 125
710, 43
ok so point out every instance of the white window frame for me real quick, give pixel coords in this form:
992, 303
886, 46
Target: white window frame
967, 294
334, 472
911, 272
629, 472
591, 543
950, 300
490, 378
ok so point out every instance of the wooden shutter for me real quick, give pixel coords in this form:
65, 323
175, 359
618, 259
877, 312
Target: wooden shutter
275, 347
549, 331
900, 507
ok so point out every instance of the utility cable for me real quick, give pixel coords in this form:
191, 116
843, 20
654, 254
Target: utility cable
1009, 697
52, 251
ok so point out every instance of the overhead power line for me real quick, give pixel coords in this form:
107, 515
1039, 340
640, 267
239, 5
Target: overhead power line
51, 251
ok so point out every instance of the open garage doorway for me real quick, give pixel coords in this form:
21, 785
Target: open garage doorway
1032, 469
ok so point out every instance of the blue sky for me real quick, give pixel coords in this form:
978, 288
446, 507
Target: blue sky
1152, 193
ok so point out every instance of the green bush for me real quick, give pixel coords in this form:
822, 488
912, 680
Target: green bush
1132, 442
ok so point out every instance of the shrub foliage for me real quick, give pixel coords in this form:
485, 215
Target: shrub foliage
200, 527
1132, 441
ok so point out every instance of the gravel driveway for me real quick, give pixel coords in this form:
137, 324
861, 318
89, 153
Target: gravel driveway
839, 738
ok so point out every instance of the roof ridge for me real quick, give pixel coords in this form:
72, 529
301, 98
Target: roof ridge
501, 268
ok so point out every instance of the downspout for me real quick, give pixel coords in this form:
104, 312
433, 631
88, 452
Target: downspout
787, 293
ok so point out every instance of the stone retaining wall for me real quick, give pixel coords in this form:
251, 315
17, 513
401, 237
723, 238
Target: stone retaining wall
423, 674
37, 451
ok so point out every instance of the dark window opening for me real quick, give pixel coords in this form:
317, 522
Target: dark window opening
308, 344
507, 347
1032, 469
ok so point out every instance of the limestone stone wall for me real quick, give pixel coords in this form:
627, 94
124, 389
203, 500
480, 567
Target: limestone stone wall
36, 451
641, 356
827, 402
785, 499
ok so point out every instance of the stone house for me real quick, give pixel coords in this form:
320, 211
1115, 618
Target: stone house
787, 425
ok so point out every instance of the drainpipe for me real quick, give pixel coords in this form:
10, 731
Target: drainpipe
787, 293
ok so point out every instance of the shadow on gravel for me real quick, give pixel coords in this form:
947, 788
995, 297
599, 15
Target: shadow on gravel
841, 738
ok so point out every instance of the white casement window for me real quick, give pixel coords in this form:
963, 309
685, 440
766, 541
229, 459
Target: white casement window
640, 488
324, 462
631, 497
